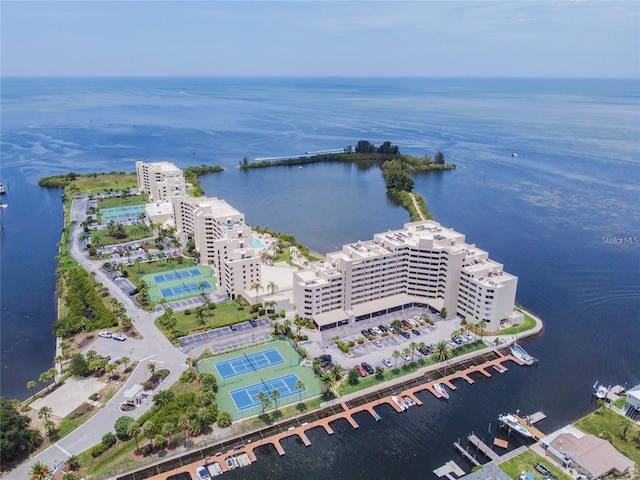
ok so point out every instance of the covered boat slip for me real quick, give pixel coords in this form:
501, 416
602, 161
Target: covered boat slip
374, 308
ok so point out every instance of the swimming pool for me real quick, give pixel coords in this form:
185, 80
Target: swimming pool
255, 243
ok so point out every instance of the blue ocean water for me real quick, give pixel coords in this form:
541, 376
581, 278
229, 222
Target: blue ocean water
563, 215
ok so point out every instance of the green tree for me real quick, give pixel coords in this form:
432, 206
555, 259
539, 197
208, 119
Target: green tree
31, 385
17, 440
168, 429
149, 430
164, 398
275, 395
133, 430
379, 372
441, 352
300, 386
125, 361
327, 382
443, 313
257, 287
264, 400
73, 463
438, 159
39, 471
353, 377
224, 419
396, 356
79, 367
412, 347
122, 426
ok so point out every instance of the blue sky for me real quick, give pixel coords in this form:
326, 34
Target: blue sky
363, 38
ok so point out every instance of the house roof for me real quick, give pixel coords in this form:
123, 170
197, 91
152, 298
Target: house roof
597, 455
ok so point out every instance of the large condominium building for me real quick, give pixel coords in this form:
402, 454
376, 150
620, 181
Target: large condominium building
222, 238
424, 264
161, 180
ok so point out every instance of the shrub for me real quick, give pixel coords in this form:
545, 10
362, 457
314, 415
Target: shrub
187, 377
342, 346
360, 341
108, 439
122, 426
94, 397
161, 441
98, 450
146, 450
351, 343
187, 311
224, 419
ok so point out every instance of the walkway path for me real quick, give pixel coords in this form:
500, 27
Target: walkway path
153, 348
416, 206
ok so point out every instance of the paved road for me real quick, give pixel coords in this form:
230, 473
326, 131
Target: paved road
154, 347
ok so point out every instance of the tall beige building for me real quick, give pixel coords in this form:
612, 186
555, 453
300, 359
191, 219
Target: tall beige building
424, 265
223, 240
161, 180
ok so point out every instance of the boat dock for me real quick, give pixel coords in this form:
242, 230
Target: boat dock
528, 421
466, 454
341, 411
483, 447
447, 469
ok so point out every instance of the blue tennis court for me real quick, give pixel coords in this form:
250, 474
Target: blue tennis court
177, 275
247, 397
184, 289
249, 363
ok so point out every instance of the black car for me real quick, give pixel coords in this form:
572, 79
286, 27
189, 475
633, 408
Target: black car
405, 334
424, 351
253, 323
383, 328
416, 332
134, 291
365, 333
368, 368
324, 358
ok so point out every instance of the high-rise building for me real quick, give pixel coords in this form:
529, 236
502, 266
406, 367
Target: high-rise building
161, 180
424, 264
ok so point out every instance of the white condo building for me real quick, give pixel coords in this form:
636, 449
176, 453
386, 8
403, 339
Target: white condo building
424, 264
222, 238
161, 180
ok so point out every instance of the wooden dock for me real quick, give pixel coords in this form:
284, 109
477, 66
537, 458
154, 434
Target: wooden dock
348, 412
466, 454
483, 447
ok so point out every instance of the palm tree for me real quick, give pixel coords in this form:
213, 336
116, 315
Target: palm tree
168, 429
183, 423
257, 287
327, 382
39, 471
45, 413
413, 346
72, 463
133, 430
406, 352
336, 372
32, 385
442, 352
300, 386
264, 400
138, 261
84, 236
272, 287
109, 368
275, 395
151, 367
191, 363
149, 430
396, 355
421, 346
126, 361
269, 304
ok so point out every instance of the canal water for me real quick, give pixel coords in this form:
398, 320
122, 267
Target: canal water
562, 215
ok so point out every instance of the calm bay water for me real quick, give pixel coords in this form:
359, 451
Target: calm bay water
551, 215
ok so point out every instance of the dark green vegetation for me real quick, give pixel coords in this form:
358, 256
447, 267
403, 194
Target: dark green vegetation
621, 432
281, 251
17, 440
85, 308
191, 175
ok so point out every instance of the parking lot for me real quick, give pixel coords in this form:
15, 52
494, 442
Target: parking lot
370, 352
224, 339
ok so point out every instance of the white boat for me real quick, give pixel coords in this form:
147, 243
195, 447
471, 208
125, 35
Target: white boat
499, 368
521, 354
510, 421
442, 390
408, 400
600, 391
514, 154
400, 403
2, 189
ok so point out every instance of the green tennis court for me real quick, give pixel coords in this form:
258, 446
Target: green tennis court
178, 283
238, 393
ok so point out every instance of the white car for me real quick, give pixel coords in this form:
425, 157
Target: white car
387, 363
105, 334
119, 336
377, 343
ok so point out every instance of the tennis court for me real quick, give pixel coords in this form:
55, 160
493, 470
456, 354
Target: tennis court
247, 397
184, 289
248, 363
129, 212
177, 275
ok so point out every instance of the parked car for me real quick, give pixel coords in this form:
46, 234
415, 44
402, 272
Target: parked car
365, 333
405, 323
105, 334
326, 366
361, 370
387, 363
405, 334
542, 469
233, 327
377, 343
253, 323
405, 357
368, 368
382, 328
324, 357
376, 331
119, 336
134, 292
416, 332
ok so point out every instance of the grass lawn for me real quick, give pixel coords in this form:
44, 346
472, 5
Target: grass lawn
113, 202
622, 431
224, 314
134, 232
100, 182
526, 463
527, 324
